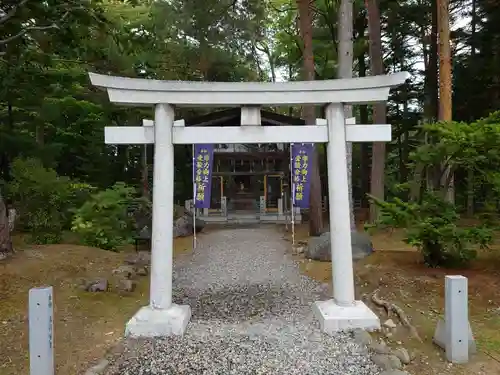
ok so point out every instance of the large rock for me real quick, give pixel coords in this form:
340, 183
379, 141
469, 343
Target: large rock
318, 248
183, 226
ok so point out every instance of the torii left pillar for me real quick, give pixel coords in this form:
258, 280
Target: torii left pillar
161, 317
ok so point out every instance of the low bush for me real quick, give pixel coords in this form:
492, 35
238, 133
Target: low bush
105, 220
432, 227
42, 198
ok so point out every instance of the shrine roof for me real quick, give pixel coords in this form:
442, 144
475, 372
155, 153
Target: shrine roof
232, 117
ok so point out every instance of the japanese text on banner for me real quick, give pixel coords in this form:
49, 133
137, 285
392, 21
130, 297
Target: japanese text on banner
202, 174
300, 163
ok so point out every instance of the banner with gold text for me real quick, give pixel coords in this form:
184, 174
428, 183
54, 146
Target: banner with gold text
301, 154
202, 174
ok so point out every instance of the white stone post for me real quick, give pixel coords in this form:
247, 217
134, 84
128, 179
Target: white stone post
41, 328
457, 320
161, 317
163, 209
280, 206
338, 192
343, 312
454, 333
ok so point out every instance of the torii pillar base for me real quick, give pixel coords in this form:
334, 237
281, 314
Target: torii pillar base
150, 322
334, 318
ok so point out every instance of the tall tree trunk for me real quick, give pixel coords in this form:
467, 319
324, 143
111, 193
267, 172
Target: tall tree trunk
404, 138
377, 186
432, 68
430, 104
445, 91
345, 59
470, 171
308, 112
4, 154
365, 160
405, 147
5, 235
444, 61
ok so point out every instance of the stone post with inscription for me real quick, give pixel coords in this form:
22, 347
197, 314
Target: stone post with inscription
41, 327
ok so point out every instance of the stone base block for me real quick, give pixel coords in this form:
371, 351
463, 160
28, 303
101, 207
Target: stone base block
333, 318
149, 322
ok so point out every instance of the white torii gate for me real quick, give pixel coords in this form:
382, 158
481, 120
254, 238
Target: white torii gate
162, 317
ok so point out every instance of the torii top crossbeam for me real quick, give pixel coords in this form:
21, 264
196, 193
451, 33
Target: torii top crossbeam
141, 92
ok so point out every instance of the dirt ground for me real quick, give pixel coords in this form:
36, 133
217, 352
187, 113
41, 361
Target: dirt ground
86, 325
397, 271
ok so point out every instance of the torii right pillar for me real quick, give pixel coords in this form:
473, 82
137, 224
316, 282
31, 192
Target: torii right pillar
343, 312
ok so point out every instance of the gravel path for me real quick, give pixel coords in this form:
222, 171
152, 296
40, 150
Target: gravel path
251, 315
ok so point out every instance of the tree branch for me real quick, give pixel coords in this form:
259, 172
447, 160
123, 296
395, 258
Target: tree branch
25, 30
11, 12
30, 28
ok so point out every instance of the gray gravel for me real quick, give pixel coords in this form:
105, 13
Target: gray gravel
251, 315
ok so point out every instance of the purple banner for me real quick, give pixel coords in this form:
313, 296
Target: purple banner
301, 173
202, 175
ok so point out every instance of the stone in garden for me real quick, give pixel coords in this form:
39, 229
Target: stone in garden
99, 285
126, 271
142, 271
99, 368
387, 361
126, 285
362, 337
380, 348
141, 258
318, 248
389, 323
394, 372
403, 355
183, 226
